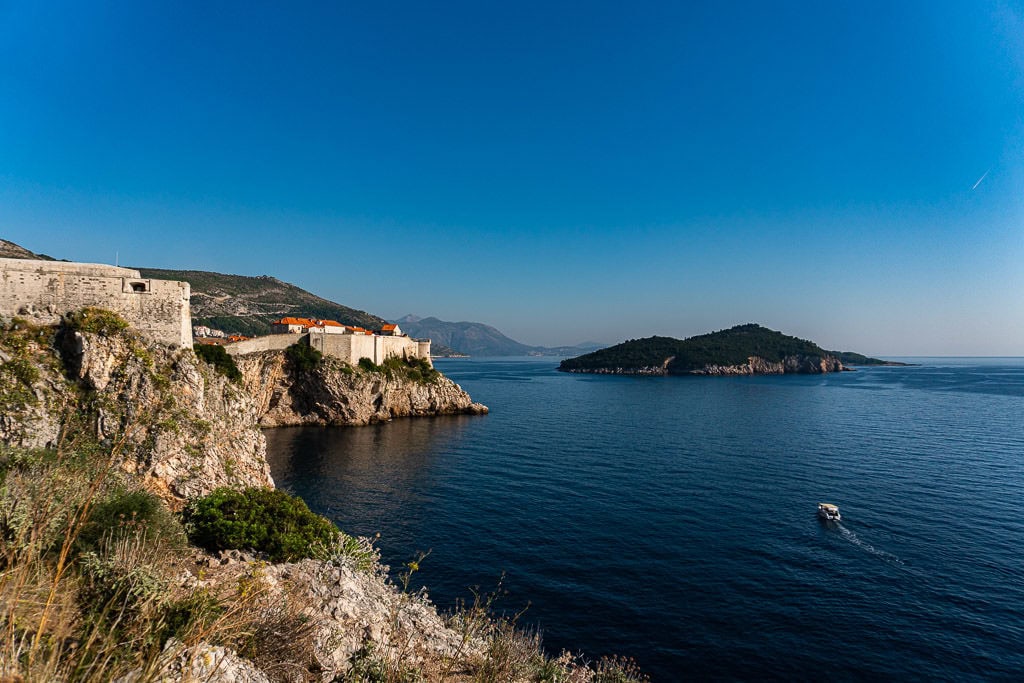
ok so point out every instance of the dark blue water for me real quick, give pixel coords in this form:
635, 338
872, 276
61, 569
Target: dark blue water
673, 519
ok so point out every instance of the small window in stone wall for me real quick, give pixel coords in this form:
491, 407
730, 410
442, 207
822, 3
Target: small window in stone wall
138, 286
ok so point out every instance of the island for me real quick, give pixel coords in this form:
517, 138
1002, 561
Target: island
748, 349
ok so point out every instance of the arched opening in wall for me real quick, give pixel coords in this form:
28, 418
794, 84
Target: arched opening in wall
138, 286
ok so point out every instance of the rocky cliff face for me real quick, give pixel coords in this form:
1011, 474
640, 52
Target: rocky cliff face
789, 364
174, 421
336, 394
170, 418
753, 366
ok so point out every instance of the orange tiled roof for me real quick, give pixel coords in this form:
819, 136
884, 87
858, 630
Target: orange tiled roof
308, 322
305, 322
388, 327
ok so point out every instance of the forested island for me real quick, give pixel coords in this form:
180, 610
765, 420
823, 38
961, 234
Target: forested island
741, 350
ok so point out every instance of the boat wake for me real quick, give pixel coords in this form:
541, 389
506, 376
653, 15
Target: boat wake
853, 538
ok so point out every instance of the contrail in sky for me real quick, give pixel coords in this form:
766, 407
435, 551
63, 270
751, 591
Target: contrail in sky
980, 179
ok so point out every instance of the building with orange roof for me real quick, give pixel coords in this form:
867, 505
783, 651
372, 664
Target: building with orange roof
349, 343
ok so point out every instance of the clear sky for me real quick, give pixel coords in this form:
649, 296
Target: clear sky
563, 171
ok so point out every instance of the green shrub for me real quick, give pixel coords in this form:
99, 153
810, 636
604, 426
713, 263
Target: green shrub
416, 369
96, 320
125, 512
196, 610
421, 370
304, 357
220, 359
264, 520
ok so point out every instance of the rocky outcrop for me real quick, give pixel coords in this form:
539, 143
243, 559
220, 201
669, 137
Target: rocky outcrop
334, 393
353, 611
753, 366
652, 370
172, 419
167, 418
789, 364
200, 662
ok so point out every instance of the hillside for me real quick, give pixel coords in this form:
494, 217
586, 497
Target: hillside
12, 250
851, 358
478, 339
723, 352
475, 339
247, 305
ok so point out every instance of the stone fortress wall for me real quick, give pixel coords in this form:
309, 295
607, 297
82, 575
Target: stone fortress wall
270, 342
43, 291
347, 347
378, 348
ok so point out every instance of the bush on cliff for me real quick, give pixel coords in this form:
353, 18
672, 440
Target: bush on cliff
96, 321
220, 359
265, 520
304, 357
416, 369
128, 513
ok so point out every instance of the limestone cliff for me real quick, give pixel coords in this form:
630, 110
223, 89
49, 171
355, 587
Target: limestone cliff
760, 366
171, 419
753, 366
176, 423
334, 393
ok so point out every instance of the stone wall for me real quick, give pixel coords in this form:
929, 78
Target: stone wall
270, 342
351, 347
43, 291
347, 347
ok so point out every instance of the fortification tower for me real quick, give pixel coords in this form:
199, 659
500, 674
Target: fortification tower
43, 291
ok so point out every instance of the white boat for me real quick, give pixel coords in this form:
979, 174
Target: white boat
829, 512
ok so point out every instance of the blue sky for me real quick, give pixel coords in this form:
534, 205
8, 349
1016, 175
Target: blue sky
563, 171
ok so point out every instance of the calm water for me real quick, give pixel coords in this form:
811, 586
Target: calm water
673, 519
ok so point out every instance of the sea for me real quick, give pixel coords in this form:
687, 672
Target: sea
673, 519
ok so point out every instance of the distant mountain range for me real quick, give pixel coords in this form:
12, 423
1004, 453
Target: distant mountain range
478, 339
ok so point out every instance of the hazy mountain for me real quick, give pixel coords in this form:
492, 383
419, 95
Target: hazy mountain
478, 339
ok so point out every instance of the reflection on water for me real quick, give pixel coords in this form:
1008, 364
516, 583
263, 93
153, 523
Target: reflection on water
385, 470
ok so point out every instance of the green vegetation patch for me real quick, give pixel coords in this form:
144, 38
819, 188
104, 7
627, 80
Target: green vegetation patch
304, 357
96, 321
265, 520
415, 369
220, 359
726, 347
125, 512
851, 358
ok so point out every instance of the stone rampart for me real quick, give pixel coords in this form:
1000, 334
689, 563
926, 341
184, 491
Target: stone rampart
270, 342
347, 347
352, 347
43, 291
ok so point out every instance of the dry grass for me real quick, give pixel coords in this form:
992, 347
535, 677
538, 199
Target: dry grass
125, 605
